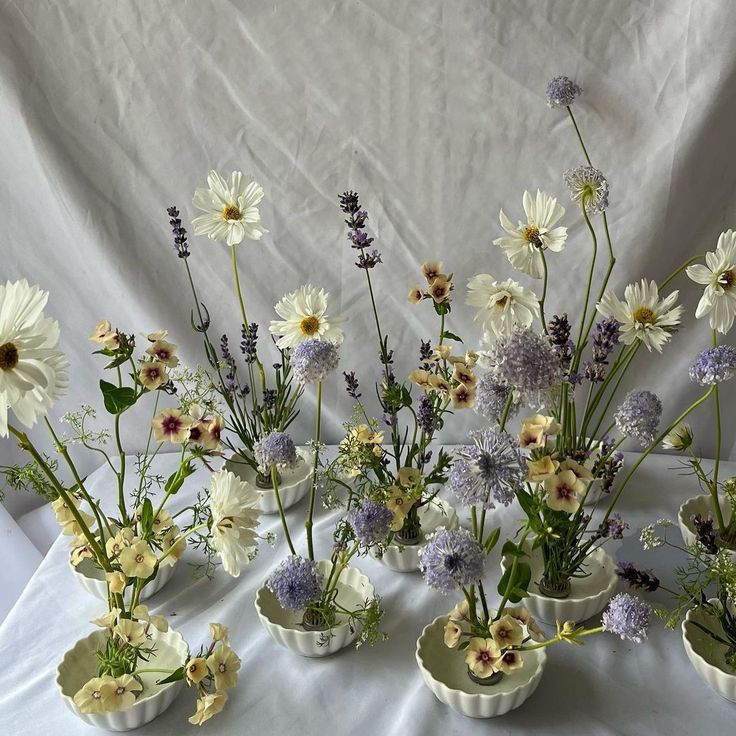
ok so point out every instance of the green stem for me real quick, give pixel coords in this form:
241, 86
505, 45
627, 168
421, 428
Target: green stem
580, 137
542, 318
512, 575
583, 335
282, 515
184, 535
313, 489
717, 462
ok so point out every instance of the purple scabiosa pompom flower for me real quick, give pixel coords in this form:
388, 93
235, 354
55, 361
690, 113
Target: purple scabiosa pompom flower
313, 360
642, 579
627, 616
452, 558
526, 363
561, 92
296, 583
275, 449
371, 522
491, 469
588, 185
714, 365
639, 415
490, 399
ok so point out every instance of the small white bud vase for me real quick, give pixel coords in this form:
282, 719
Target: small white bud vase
700, 505
446, 675
588, 595
285, 627
80, 663
707, 655
293, 486
92, 579
405, 557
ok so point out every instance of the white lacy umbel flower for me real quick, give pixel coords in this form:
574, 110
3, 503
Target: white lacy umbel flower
230, 207
719, 278
503, 305
33, 372
235, 511
524, 243
303, 317
642, 315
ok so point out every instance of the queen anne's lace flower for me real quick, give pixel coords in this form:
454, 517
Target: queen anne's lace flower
451, 559
561, 92
313, 360
639, 415
296, 583
628, 617
714, 365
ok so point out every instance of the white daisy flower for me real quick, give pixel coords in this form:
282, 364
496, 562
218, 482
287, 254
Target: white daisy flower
33, 372
719, 278
230, 207
524, 243
642, 315
235, 510
303, 317
503, 305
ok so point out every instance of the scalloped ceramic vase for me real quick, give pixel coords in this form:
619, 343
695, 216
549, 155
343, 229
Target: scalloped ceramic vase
92, 579
79, 665
294, 483
431, 516
588, 595
702, 505
354, 588
706, 655
445, 674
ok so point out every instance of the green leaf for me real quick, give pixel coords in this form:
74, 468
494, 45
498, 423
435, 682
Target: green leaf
173, 677
518, 586
528, 504
147, 517
511, 549
117, 398
492, 539
176, 480
447, 335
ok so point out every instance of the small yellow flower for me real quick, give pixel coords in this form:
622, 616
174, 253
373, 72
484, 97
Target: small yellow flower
137, 561
170, 425
462, 397
142, 613
421, 378
123, 538
461, 612
507, 632
208, 706
431, 270
377, 451
415, 294
153, 374
481, 656
213, 435
519, 614
131, 632
438, 383
64, 516
107, 620
162, 521
399, 502
452, 634
581, 473
196, 669
224, 665
104, 335
219, 632
541, 469
91, 697
156, 336
532, 437
175, 547
79, 553
120, 694
164, 352
440, 353
471, 358
408, 477
116, 581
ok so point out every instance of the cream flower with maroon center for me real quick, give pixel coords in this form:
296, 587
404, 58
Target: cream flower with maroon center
432, 269
463, 374
224, 664
165, 352
415, 294
121, 693
153, 375
440, 289
481, 656
171, 426
510, 661
137, 561
562, 492
462, 397
507, 632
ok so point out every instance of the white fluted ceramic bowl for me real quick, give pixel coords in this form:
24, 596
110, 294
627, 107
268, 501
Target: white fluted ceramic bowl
294, 483
706, 655
354, 588
446, 675
702, 505
79, 665
588, 596
406, 559
92, 579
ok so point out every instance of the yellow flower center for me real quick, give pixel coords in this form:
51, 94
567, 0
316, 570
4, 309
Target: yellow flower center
531, 235
309, 326
502, 302
231, 212
8, 356
727, 280
139, 558
645, 316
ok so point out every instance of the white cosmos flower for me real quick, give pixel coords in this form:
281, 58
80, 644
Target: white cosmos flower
33, 372
719, 278
235, 510
503, 305
524, 243
230, 207
303, 317
642, 315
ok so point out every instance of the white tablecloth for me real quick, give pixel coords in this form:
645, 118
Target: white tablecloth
606, 687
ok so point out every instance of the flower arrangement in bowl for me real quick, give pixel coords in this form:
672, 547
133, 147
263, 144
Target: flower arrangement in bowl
569, 375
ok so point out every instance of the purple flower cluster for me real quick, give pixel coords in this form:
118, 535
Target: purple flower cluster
425, 353
351, 384
313, 360
491, 398
639, 415
714, 365
706, 533
491, 469
628, 617
249, 343
426, 418
452, 558
350, 205
605, 339
613, 527
229, 380
559, 335
275, 450
561, 92
296, 583
587, 185
181, 246
371, 522
641, 579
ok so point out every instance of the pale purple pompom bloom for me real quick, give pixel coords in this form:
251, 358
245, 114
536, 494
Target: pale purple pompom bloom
714, 365
639, 415
313, 360
490, 399
491, 469
627, 616
589, 183
371, 522
296, 583
561, 92
275, 449
452, 558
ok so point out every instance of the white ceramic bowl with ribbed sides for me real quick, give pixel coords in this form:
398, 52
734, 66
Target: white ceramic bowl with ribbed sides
406, 559
80, 664
353, 589
294, 483
706, 655
446, 675
702, 505
92, 579
588, 595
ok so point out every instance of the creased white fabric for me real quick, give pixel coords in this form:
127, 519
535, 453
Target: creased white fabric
606, 687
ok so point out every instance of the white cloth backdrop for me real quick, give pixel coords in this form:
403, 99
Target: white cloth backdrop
433, 111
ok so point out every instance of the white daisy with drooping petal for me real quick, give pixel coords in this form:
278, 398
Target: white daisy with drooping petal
304, 317
524, 243
33, 371
230, 207
719, 279
503, 305
642, 315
